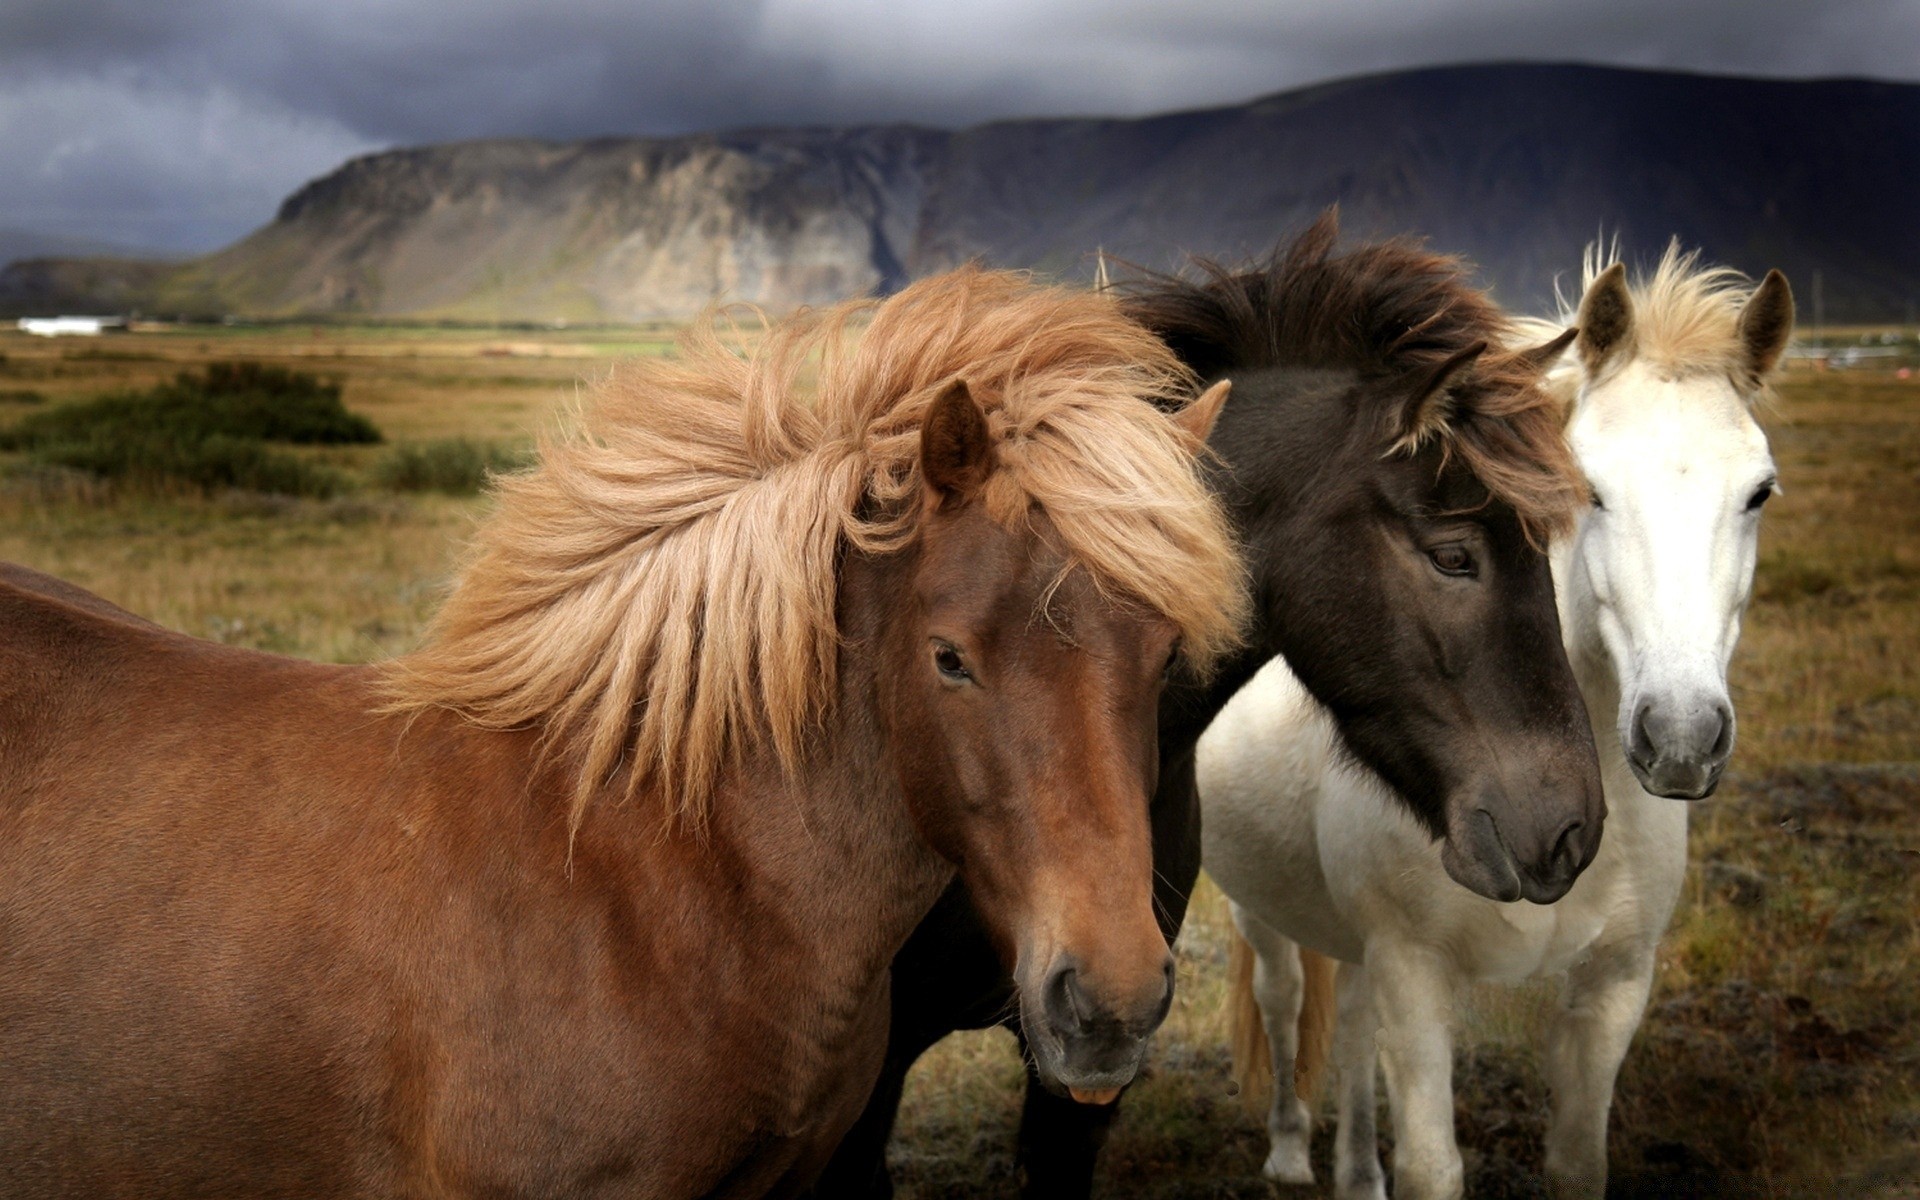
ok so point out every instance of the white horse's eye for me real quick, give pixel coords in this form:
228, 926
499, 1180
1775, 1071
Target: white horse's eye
1597, 503
1760, 496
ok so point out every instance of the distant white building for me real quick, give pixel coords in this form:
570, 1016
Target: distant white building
70, 326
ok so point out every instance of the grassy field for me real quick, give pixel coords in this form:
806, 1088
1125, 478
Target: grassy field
1780, 1056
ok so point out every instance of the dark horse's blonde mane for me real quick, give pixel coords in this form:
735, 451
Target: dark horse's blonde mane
659, 591
1388, 308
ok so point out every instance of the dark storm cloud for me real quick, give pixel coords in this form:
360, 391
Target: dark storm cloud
182, 123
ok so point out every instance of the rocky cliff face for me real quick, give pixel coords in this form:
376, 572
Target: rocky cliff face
1514, 166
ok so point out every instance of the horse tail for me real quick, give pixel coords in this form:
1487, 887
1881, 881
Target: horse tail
1252, 1055
1317, 1012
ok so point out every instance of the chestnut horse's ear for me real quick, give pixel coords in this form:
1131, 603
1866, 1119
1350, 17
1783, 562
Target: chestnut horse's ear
1541, 358
956, 448
1196, 420
1766, 323
1429, 403
1606, 318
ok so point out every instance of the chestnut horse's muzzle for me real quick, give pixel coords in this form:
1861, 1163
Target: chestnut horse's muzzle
1086, 1039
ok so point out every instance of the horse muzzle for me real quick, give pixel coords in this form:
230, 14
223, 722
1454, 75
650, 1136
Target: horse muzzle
1088, 1040
1678, 749
1523, 853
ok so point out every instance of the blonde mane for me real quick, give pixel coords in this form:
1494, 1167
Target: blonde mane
1685, 316
659, 591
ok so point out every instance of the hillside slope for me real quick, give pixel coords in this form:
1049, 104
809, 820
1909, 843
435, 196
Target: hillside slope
1515, 166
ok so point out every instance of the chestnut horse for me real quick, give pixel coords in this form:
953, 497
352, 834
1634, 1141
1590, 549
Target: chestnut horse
595, 894
1393, 474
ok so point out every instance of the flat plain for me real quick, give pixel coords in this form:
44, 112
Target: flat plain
1781, 1052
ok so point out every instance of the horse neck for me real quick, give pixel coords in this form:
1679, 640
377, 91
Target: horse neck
1276, 424
865, 874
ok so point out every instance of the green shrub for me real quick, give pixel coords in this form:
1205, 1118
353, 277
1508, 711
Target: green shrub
208, 430
236, 400
210, 464
456, 466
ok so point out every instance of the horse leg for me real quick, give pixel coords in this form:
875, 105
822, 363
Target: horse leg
1356, 1148
1060, 1140
1413, 998
1599, 1010
1277, 988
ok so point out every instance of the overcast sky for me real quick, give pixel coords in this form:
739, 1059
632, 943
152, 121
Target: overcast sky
181, 124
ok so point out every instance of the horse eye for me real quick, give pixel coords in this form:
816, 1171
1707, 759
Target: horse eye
1597, 502
948, 662
1760, 496
1451, 559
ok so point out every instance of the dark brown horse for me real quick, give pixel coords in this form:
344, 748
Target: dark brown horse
1392, 473
596, 893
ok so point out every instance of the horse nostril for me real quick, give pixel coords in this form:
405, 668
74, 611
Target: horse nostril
1723, 739
1066, 1005
1641, 742
1566, 847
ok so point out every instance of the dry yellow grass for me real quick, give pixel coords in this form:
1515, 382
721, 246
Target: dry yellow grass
1780, 1055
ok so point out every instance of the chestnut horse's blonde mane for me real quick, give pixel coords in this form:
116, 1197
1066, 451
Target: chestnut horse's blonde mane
659, 591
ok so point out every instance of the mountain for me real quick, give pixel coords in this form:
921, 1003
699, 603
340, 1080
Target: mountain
1515, 166
17, 244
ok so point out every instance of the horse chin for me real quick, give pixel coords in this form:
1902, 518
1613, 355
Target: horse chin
1672, 784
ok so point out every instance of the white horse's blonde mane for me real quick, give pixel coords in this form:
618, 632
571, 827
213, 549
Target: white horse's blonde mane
660, 590
1686, 316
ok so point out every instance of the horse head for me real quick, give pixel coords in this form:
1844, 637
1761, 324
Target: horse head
1658, 573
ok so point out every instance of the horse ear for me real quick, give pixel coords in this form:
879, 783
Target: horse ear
1606, 318
1542, 357
1429, 404
1766, 323
1197, 418
956, 448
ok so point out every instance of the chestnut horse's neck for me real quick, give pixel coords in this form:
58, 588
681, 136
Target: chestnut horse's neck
801, 888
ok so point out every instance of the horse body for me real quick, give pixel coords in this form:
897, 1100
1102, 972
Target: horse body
312, 977
1368, 431
595, 894
1312, 849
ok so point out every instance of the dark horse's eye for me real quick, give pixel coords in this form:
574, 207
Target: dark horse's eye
948, 662
1759, 496
1451, 559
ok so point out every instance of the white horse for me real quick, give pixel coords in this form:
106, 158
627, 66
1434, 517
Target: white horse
1651, 584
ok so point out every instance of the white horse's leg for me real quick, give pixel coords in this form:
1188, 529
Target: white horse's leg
1356, 1056
1413, 998
1599, 1011
1277, 987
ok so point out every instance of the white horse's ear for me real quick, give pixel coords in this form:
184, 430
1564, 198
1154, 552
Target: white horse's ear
1606, 318
1766, 324
1196, 419
1429, 404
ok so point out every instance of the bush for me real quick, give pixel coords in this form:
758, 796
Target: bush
233, 400
210, 464
456, 466
209, 430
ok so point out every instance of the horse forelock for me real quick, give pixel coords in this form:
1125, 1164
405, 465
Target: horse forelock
1686, 316
1391, 311
660, 590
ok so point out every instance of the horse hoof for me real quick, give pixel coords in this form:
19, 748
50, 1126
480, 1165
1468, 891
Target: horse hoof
1288, 1164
